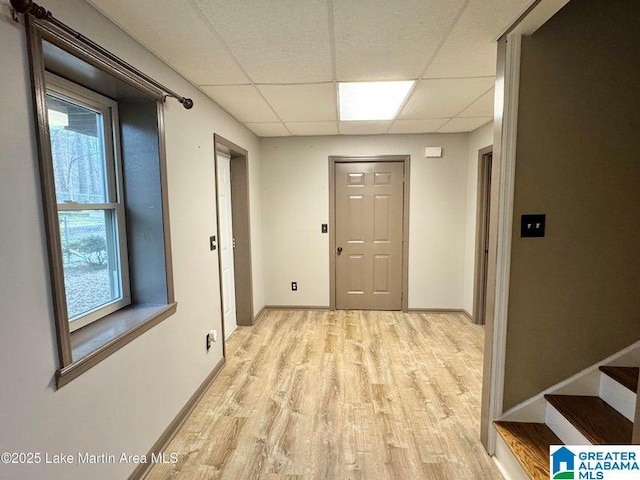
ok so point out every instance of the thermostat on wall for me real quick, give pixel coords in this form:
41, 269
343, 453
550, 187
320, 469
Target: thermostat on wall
432, 152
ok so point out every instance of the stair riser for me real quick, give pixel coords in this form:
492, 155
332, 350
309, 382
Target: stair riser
507, 462
618, 396
569, 434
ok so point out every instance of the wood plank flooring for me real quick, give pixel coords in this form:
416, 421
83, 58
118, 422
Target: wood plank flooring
346, 395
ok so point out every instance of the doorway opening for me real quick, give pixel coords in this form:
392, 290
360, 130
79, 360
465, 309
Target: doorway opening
368, 241
483, 208
234, 234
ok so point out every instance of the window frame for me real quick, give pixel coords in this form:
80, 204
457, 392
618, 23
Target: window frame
66, 90
86, 347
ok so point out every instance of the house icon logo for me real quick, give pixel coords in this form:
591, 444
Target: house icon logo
562, 467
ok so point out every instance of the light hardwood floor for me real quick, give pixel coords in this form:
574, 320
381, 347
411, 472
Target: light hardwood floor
341, 396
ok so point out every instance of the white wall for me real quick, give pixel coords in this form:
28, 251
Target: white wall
295, 199
478, 139
124, 403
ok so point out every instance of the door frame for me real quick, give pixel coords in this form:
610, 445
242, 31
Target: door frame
333, 160
221, 244
505, 130
239, 166
482, 244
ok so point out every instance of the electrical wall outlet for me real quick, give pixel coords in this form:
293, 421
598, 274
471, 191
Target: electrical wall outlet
212, 337
294, 286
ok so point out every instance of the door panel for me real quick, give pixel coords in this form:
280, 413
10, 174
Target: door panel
356, 179
381, 217
369, 215
356, 219
226, 244
381, 179
356, 269
381, 274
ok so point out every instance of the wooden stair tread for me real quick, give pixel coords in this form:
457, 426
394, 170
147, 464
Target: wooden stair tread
529, 443
600, 423
627, 376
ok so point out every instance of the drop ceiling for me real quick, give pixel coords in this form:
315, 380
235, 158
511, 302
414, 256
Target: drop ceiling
274, 64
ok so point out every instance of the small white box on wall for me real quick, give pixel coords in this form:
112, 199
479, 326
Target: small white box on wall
432, 152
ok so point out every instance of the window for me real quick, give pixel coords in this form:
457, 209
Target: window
100, 133
84, 138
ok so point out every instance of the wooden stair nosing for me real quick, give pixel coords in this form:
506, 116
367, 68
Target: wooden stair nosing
600, 423
529, 443
626, 376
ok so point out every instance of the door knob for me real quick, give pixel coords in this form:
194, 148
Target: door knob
339, 250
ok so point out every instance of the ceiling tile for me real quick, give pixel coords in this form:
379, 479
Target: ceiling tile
312, 128
276, 42
285, 47
417, 126
483, 107
269, 129
177, 34
243, 102
469, 124
383, 40
444, 97
363, 128
470, 49
315, 102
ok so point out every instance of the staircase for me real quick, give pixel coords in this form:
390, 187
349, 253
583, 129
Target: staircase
522, 447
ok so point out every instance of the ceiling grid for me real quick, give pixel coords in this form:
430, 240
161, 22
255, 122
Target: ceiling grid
435, 53
230, 110
334, 81
275, 64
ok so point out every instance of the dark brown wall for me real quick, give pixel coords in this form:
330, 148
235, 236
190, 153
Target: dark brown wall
575, 294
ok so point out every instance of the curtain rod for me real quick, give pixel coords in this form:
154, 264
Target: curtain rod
27, 7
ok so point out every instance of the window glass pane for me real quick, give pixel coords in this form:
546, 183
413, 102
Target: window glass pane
77, 146
90, 259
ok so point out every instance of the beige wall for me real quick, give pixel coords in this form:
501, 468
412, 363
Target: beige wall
124, 403
478, 139
296, 202
574, 295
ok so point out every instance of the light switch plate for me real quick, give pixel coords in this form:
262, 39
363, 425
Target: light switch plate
532, 225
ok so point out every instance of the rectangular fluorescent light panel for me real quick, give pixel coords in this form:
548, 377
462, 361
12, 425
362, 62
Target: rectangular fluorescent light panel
371, 100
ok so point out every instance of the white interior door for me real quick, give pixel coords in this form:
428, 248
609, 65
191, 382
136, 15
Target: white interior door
226, 243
